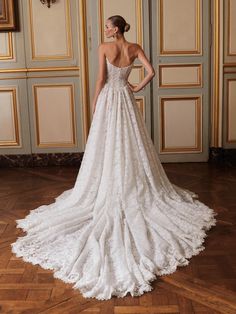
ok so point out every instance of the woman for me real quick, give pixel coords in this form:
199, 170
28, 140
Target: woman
123, 223
120, 52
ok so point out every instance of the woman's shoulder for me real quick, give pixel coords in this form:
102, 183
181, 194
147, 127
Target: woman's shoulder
107, 44
134, 44
132, 48
102, 45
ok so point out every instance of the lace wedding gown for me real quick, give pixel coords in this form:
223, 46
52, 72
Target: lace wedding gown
123, 223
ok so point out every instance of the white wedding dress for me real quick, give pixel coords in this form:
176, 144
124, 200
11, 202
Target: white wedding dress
123, 223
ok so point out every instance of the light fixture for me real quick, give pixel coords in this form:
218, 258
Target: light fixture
49, 2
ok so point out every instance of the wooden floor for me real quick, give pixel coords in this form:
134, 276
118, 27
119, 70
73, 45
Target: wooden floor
207, 285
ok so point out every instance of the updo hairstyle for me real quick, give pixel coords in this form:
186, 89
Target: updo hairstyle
120, 22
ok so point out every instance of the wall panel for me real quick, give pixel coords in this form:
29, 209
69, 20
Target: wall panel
50, 31
14, 118
180, 75
181, 124
140, 101
48, 49
6, 46
228, 74
181, 55
231, 111
180, 27
9, 117
54, 114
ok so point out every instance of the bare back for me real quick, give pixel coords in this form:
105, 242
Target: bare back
121, 55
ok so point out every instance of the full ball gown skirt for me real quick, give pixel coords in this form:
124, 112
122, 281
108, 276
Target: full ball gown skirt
123, 223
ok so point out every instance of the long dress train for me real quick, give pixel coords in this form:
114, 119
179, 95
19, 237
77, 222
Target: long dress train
123, 223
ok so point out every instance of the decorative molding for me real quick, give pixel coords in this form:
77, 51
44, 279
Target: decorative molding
26, 71
137, 74
69, 54
140, 68
226, 65
139, 16
228, 140
34, 76
198, 125
57, 144
15, 119
46, 69
182, 85
83, 47
216, 74
140, 101
10, 55
198, 45
229, 53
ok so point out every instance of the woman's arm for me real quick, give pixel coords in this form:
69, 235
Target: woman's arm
101, 77
148, 66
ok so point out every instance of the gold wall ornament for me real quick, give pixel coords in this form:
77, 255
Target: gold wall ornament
48, 2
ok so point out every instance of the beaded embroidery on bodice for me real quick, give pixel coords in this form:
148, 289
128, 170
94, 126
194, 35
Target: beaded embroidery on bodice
117, 76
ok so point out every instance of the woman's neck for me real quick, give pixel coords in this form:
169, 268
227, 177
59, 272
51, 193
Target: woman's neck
120, 39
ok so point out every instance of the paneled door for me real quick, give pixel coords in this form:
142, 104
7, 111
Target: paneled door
181, 99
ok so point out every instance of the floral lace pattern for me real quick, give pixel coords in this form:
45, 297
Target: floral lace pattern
123, 223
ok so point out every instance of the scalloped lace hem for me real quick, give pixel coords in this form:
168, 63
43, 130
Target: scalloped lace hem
120, 288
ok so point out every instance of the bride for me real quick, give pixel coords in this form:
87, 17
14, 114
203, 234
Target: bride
123, 223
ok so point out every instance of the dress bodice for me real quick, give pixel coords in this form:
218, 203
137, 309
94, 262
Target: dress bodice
117, 76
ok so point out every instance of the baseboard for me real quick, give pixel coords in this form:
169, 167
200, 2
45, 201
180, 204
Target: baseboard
41, 160
219, 155
222, 155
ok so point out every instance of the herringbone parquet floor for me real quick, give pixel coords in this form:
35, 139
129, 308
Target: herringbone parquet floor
206, 286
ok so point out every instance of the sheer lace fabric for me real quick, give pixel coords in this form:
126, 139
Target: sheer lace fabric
123, 223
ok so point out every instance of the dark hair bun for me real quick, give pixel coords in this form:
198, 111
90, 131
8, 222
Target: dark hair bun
120, 22
127, 27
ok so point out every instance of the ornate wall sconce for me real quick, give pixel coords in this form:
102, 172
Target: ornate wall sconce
48, 2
